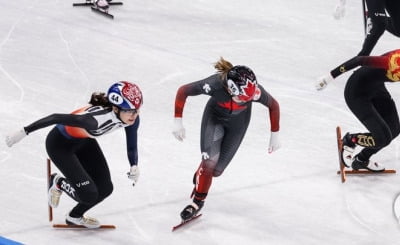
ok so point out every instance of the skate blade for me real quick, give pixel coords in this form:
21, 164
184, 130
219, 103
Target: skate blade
102, 12
366, 171
66, 226
185, 222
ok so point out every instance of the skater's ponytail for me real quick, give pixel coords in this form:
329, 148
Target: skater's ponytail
99, 99
223, 66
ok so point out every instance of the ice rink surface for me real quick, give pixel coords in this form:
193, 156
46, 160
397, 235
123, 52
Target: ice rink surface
53, 56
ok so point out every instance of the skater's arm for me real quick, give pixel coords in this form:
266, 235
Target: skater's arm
85, 121
273, 106
131, 142
371, 61
387, 61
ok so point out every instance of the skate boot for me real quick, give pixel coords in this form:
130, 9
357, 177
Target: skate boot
87, 222
192, 210
348, 149
54, 191
102, 5
349, 140
371, 166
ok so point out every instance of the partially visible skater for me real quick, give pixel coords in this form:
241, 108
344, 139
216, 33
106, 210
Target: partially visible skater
226, 116
72, 146
381, 15
368, 98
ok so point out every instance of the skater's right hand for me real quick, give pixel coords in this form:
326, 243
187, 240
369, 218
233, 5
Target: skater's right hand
322, 82
178, 131
15, 137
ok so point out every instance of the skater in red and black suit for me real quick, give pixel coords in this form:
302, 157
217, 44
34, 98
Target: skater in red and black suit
232, 91
367, 97
72, 146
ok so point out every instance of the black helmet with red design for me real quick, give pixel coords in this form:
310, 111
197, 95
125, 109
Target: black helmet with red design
125, 95
241, 82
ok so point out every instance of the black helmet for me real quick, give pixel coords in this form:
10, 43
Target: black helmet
241, 82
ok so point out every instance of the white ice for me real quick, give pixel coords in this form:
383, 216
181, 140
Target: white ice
52, 56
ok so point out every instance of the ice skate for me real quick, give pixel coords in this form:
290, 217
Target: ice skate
191, 210
87, 222
348, 150
54, 191
102, 5
357, 164
349, 140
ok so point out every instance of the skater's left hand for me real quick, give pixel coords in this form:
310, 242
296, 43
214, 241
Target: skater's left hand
322, 82
274, 142
134, 174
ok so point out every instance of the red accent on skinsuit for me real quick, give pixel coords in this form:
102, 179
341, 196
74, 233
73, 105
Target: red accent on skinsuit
180, 101
393, 70
75, 131
204, 177
231, 105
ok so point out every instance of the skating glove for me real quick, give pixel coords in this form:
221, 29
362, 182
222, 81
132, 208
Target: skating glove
134, 174
340, 10
323, 81
274, 142
15, 137
178, 131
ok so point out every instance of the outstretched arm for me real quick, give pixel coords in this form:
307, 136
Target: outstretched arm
371, 61
83, 121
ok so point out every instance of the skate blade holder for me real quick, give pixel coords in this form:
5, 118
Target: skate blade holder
365, 172
342, 167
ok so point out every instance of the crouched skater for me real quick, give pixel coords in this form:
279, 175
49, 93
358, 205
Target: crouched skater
72, 146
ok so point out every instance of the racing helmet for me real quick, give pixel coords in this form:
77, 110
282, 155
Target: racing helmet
242, 82
125, 95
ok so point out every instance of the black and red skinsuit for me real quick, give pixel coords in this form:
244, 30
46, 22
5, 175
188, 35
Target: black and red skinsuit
224, 124
380, 22
369, 100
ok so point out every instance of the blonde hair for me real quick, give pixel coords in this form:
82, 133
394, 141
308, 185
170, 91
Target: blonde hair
223, 66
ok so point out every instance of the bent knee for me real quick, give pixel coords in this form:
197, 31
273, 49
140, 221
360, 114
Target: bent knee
88, 197
103, 193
